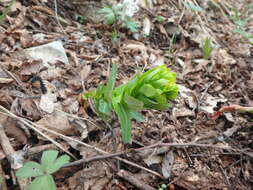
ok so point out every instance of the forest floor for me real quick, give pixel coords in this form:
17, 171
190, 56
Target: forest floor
189, 146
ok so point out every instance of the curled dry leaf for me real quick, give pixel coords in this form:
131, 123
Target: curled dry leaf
57, 122
167, 164
13, 130
146, 26
25, 108
47, 101
5, 99
31, 67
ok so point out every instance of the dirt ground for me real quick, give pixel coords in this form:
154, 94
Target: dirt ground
189, 146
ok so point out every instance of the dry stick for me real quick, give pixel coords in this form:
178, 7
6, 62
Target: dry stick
181, 145
41, 148
3, 185
76, 117
178, 145
9, 150
19, 82
133, 180
56, 15
26, 122
31, 125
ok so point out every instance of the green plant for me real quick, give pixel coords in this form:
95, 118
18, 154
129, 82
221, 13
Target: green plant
193, 7
42, 172
115, 14
150, 90
163, 187
160, 19
240, 25
5, 11
114, 35
207, 48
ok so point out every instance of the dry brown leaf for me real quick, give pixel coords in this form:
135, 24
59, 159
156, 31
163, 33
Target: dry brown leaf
58, 122
167, 164
12, 130
31, 67
25, 108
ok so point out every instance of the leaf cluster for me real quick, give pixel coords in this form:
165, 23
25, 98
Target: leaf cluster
115, 14
150, 90
240, 26
42, 172
207, 48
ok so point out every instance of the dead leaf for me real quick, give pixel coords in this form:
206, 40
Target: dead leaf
57, 122
167, 164
25, 108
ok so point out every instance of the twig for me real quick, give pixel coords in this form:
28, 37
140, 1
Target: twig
9, 151
95, 158
133, 180
177, 145
204, 93
76, 117
2, 179
27, 122
37, 149
31, 125
56, 15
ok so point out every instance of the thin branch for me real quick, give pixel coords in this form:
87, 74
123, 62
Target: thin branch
56, 15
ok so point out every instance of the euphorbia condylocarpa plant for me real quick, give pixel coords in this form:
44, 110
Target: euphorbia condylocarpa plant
150, 90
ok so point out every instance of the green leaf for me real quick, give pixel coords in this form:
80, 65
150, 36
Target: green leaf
132, 25
133, 103
110, 84
148, 90
251, 40
45, 182
160, 18
207, 48
137, 116
125, 122
193, 7
172, 93
61, 161
104, 107
152, 104
109, 15
48, 158
30, 169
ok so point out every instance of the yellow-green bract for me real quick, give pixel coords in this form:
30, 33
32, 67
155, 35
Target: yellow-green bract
150, 90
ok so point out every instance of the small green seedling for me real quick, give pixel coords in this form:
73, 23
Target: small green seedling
115, 14
43, 180
114, 35
160, 19
207, 48
193, 7
150, 90
163, 187
240, 26
5, 11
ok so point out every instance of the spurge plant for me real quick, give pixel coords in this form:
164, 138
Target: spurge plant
150, 90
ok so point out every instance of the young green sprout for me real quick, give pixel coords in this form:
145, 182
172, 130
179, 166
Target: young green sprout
43, 180
115, 14
207, 48
150, 90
